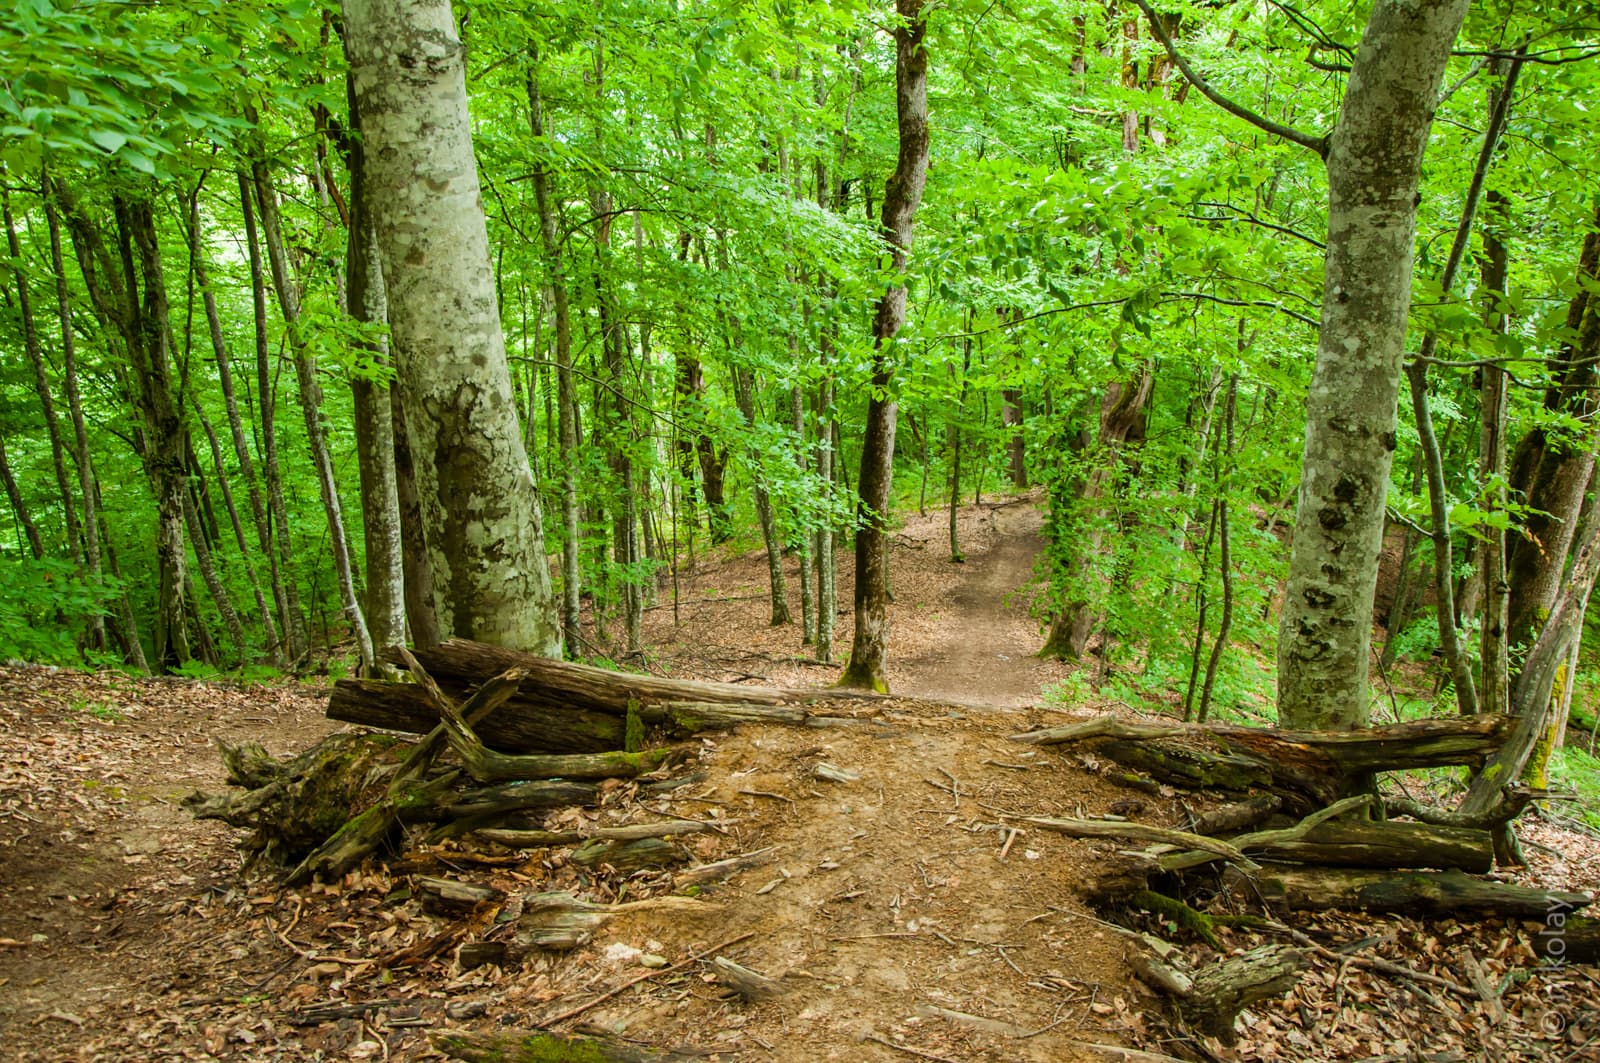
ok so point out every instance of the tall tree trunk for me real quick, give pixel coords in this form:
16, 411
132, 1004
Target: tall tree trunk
868, 667
1122, 413
1492, 394
41, 382
310, 388
797, 422
567, 399
421, 618
480, 504
281, 551
219, 350
1552, 473
161, 411
373, 415
81, 457
1374, 160
744, 398
1224, 552
19, 507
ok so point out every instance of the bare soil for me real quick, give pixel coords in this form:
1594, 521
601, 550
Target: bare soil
903, 914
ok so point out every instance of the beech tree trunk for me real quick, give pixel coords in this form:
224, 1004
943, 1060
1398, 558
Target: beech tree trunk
868, 667
1121, 416
480, 506
566, 401
310, 388
284, 585
1374, 160
374, 419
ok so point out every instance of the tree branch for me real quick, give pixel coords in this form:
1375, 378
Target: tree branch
1238, 110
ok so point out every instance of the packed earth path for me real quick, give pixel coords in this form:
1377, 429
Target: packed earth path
899, 907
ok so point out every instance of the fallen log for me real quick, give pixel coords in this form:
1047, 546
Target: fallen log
1211, 999
1420, 893
459, 663
1566, 938
1317, 764
523, 724
1377, 844
539, 1046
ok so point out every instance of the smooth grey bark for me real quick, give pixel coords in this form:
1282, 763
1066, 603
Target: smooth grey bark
19, 507
566, 401
479, 502
41, 381
1374, 160
1492, 404
421, 619
310, 388
81, 456
219, 350
281, 549
373, 417
869, 652
744, 398
797, 422
157, 398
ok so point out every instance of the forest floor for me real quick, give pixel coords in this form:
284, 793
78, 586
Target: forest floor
902, 916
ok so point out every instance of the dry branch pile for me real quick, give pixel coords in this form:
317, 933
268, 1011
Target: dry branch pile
1342, 853
506, 738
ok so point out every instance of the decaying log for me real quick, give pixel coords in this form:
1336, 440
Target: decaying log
1101, 828
1266, 838
1238, 816
450, 892
750, 984
1211, 999
1420, 893
516, 797
522, 726
1567, 938
557, 920
708, 873
1222, 990
459, 664
626, 855
293, 806
1359, 843
1314, 763
539, 1046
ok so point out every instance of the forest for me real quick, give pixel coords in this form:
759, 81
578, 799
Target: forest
333, 330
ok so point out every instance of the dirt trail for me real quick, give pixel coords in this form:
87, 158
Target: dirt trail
907, 914
985, 651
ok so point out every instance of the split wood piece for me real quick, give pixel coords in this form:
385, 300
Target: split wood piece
993, 1027
1211, 999
473, 954
628, 856
558, 921
1224, 989
449, 891
538, 839
1315, 763
1097, 828
1420, 893
750, 984
706, 874
539, 1046
1238, 816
